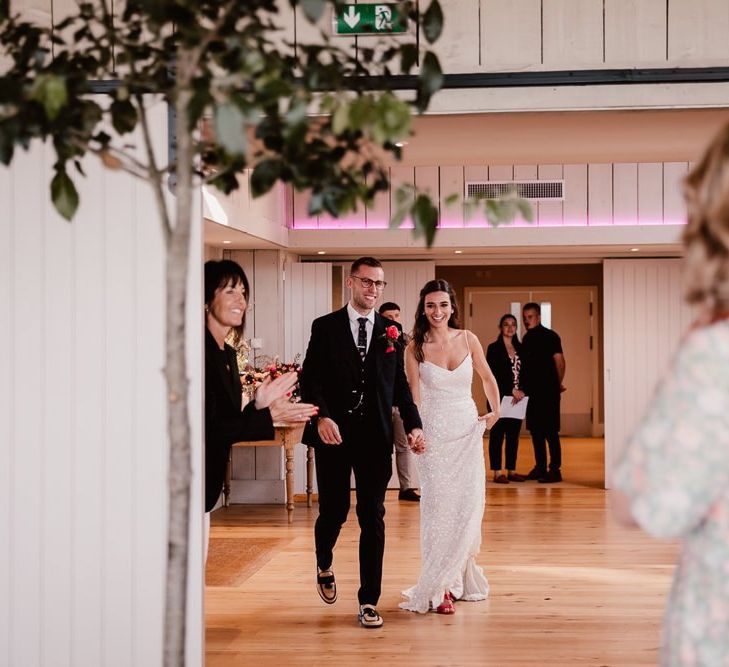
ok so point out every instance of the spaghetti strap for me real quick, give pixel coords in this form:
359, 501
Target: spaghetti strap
468, 345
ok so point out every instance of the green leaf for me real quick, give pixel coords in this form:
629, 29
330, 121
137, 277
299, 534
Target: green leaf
452, 199
50, 91
64, 195
313, 9
340, 117
264, 176
425, 218
429, 81
433, 21
123, 116
408, 57
525, 208
230, 129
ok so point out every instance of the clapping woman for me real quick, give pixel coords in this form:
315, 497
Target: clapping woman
226, 298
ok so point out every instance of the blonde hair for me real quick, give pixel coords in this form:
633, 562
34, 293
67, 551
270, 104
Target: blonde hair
706, 237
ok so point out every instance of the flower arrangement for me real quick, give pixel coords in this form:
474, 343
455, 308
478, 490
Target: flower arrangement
251, 377
392, 333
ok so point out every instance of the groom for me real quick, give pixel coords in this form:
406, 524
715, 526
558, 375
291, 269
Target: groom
353, 371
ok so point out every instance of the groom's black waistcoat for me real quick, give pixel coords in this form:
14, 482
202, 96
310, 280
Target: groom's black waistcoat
357, 396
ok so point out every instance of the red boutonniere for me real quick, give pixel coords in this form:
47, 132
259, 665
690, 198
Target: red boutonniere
392, 333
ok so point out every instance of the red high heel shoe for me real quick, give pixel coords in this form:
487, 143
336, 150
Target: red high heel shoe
447, 606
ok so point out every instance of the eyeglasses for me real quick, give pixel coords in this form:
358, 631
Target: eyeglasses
367, 283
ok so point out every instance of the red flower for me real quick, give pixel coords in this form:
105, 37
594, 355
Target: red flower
392, 333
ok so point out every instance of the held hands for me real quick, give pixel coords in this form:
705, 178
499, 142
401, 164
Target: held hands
329, 431
490, 418
416, 441
283, 410
517, 395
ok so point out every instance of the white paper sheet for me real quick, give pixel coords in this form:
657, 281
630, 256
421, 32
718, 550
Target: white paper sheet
517, 411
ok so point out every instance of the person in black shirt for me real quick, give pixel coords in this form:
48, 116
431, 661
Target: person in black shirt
544, 368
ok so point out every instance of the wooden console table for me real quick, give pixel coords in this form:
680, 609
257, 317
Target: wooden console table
287, 436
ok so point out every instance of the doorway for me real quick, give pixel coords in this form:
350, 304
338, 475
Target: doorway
571, 312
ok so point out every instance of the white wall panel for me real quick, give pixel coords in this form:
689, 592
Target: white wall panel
573, 31
599, 194
511, 33
674, 207
644, 319
84, 431
307, 295
697, 30
549, 214
635, 31
575, 188
625, 194
451, 183
458, 47
650, 193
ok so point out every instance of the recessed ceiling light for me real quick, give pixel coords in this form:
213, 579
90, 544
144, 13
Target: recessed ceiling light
400, 144
458, 252
321, 252
634, 249
227, 242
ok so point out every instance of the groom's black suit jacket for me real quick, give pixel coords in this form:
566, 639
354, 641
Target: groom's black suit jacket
333, 375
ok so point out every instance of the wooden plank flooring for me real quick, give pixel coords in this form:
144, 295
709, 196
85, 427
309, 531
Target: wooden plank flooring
568, 585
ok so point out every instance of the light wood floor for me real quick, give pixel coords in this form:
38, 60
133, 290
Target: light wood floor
568, 585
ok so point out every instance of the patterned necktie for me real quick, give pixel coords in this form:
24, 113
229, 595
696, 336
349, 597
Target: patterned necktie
362, 337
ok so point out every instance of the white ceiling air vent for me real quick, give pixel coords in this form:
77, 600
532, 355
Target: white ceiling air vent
530, 190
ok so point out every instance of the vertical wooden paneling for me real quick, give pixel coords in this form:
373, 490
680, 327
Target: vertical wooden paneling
404, 282
90, 409
377, 215
85, 526
400, 176
427, 179
451, 183
573, 31
575, 189
7, 408
625, 193
56, 480
550, 214
307, 295
120, 324
650, 193
599, 194
458, 46
697, 30
635, 32
302, 219
674, 208
27, 543
511, 33
640, 296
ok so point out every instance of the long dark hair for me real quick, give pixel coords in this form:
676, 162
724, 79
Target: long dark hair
421, 326
218, 273
515, 338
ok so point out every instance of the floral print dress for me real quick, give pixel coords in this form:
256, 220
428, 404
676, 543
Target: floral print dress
675, 472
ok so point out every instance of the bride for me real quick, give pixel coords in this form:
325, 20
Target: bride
439, 363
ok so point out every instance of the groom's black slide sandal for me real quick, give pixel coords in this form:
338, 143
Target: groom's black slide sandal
326, 587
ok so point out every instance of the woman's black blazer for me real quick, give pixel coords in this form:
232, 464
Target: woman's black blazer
225, 423
500, 364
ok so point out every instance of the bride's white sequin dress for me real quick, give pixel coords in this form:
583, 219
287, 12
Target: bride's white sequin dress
452, 487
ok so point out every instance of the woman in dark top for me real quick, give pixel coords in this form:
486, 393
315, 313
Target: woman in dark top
503, 358
226, 299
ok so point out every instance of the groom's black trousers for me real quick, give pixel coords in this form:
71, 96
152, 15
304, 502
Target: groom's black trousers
372, 466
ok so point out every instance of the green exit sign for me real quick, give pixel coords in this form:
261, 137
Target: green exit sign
369, 19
